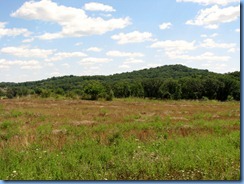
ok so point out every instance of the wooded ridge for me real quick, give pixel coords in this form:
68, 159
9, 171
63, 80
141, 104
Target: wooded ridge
165, 82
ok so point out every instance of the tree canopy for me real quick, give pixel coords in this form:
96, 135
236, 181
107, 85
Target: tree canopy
165, 82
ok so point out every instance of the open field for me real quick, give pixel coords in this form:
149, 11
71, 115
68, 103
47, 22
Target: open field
125, 139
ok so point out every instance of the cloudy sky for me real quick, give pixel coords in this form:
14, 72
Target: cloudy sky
44, 38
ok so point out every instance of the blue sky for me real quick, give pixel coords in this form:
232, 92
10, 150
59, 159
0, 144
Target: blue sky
44, 38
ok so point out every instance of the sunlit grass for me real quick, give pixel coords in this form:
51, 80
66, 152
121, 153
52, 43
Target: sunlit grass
127, 139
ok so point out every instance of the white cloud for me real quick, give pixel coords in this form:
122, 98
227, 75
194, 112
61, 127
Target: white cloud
29, 64
49, 64
212, 35
78, 44
212, 26
218, 67
211, 2
92, 60
165, 25
31, 67
133, 37
94, 6
207, 56
70, 54
94, 49
237, 30
133, 61
66, 65
55, 74
4, 67
106, 15
28, 40
124, 66
73, 21
232, 50
64, 55
27, 53
179, 50
210, 43
179, 45
124, 54
13, 31
211, 17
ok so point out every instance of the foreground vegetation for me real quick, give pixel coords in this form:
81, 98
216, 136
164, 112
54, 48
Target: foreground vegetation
124, 139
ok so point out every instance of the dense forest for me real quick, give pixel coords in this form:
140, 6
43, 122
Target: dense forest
166, 82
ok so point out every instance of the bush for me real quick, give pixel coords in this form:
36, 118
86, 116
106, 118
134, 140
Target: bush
110, 95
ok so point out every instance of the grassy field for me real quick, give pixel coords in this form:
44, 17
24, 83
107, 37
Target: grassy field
125, 139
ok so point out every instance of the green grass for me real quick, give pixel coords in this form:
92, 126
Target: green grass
191, 158
139, 147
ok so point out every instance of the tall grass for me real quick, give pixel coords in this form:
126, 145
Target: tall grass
138, 145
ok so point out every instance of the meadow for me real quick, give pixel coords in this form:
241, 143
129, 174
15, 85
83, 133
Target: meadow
124, 139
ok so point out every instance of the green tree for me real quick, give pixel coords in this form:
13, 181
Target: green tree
45, 93
192, 88
93, 88
151, 87
170, 89
136, 89
11, 93
211, 87
122, 89
229, 87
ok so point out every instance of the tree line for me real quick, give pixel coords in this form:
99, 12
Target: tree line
171, 82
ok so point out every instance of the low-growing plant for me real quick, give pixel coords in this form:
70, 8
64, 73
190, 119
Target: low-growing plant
132, 140
6, 124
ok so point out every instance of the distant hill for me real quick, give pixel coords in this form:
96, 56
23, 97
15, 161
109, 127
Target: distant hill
147, 81
166, 71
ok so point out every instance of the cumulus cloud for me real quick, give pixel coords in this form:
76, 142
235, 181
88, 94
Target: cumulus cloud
26, 52
211, 2
133, 37
78, 44
232, 50
175, 45
92, 60
179, 49
207, 56
115, 53
211, 17
64, 55
66, 65
124, 66
133, 61
12, 31
73, 21
28, 40
56, 74
29, 64
94, 6
237, 30
212, 35
165, 25
94, 49
210, 43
